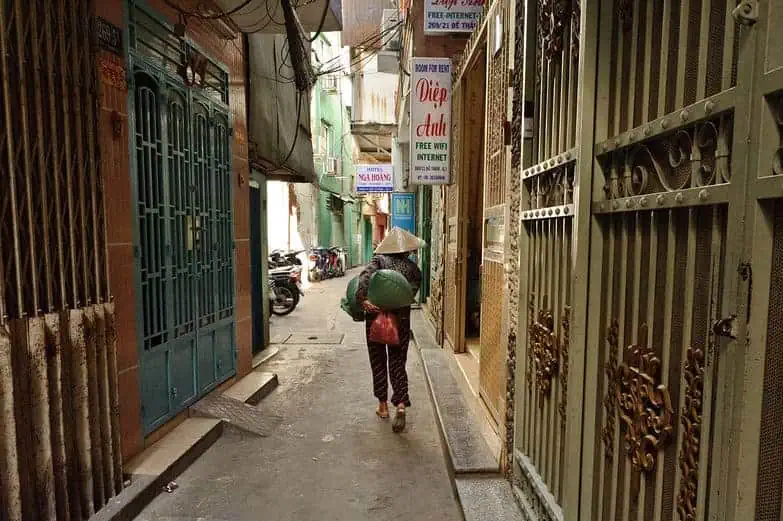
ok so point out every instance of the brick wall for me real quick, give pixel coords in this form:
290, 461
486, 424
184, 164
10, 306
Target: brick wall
113, 102
436, 46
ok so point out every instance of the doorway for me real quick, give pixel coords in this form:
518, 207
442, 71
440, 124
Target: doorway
465, 211
257, 265
367, 239
183, 200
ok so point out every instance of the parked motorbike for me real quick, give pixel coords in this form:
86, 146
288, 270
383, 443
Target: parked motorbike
285, 286
326, 263
281, 258
337, 262
319, 264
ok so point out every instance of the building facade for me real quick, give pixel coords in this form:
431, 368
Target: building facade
337, 209
128, 163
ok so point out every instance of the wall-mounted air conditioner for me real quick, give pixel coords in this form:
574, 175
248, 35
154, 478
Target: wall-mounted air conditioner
332, 166
391, 30
331, 83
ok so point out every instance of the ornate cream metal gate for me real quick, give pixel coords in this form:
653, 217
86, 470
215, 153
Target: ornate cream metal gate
454, 251
550, 84
492, 382
652, 175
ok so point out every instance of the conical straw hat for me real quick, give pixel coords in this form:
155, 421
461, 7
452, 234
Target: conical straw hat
399, 241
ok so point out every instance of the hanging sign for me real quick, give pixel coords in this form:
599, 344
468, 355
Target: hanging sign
452, 16
108, 36
374, 178
404, 211
430, 121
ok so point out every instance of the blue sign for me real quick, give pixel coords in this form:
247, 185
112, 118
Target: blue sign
403, 213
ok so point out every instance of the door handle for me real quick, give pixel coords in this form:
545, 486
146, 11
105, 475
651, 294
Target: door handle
725, 327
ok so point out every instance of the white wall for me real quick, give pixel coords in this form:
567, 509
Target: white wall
277, 215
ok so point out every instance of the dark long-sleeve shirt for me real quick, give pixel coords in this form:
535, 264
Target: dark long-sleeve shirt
399, 263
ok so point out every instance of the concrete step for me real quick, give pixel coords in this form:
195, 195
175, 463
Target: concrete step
265, 356
487, 499
468, 450
160, 464
253, 388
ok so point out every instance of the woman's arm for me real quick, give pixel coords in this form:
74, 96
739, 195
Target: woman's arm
415, 278
364, 280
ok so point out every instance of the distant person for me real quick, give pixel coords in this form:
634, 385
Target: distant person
392, 254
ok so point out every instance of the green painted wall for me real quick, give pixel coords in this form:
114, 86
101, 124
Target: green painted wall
329, 110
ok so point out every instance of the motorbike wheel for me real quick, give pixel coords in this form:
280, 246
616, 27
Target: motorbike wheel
285, 301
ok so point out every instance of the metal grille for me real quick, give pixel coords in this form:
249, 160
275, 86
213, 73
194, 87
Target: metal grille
666, 55
224, 222
151, 211
52, 243
183, 277
547, 212
660, 285
556, 80
770, 478
452, 280
184, 210
662, 270
548, 227
153, 38
494, 322
59, 432
496, 119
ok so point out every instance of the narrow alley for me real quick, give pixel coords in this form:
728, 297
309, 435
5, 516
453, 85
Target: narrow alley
327, 456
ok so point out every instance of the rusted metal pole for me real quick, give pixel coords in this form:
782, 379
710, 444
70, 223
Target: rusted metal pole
103, 402
80, 401
41, 432
114, 397
10, 497
91, 342
59, 461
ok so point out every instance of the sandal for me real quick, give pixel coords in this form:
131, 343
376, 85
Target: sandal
398, 425
382, 414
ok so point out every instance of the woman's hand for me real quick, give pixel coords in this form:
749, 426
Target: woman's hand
369, 307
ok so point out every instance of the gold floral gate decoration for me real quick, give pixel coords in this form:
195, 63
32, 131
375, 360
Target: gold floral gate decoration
544, 347
636, 396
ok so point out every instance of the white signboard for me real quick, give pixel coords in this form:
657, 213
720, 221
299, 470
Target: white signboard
430, 121
374, 179
452, 16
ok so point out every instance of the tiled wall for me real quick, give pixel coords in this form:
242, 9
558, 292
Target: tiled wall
113, 102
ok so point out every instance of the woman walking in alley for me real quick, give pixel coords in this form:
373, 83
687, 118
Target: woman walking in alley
388, 361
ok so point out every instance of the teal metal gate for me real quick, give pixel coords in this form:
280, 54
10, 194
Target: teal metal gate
184, 234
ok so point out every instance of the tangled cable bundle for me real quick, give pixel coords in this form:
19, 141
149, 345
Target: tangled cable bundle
304, 77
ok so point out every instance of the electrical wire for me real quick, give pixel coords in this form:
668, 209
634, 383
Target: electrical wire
321, 24
194, 14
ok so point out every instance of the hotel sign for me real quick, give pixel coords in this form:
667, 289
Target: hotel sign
374, 179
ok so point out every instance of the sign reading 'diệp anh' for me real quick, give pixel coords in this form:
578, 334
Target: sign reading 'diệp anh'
374, 178
452, 16
430, 121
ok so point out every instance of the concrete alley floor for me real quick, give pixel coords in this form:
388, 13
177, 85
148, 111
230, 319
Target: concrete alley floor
328, 457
